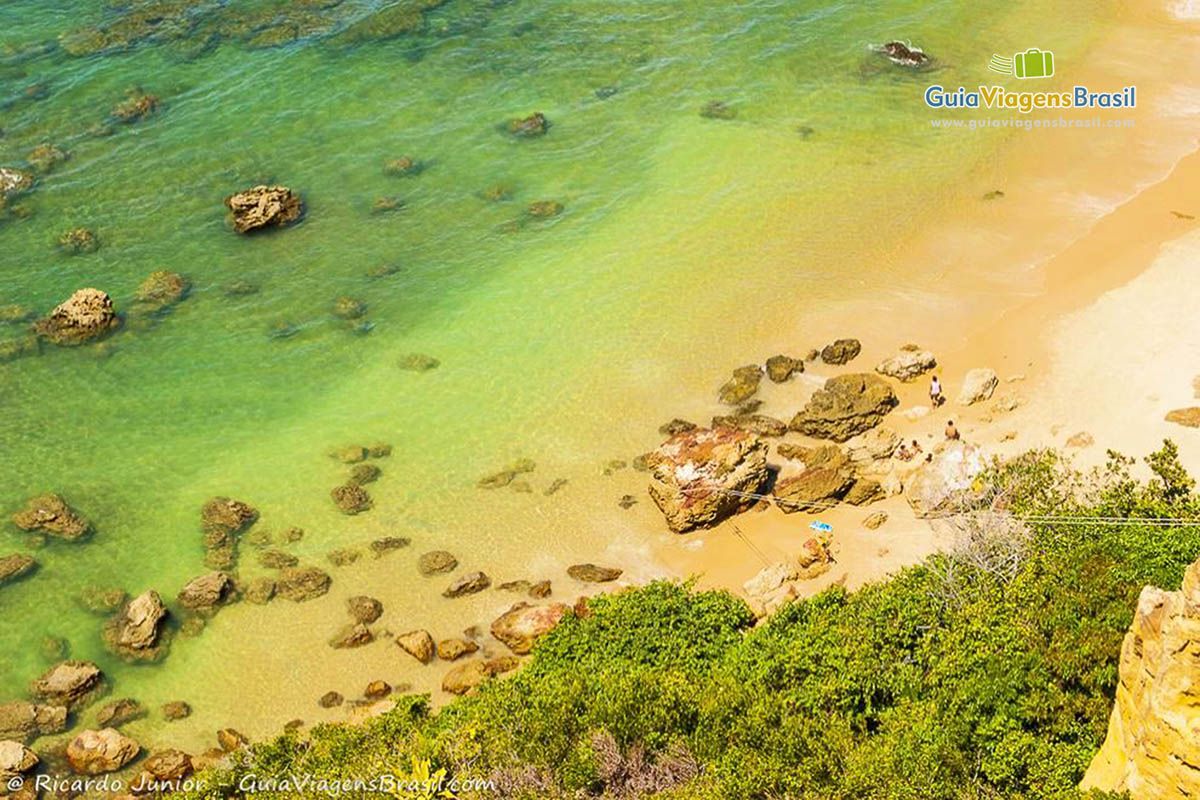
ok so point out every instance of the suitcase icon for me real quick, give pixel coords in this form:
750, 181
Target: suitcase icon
1033, 63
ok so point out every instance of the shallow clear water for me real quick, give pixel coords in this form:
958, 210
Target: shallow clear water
554, 335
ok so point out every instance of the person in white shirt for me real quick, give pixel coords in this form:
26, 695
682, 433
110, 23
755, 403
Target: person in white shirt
935, 392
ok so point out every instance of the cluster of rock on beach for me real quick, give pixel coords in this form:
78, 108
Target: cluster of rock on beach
835, 448
44, 729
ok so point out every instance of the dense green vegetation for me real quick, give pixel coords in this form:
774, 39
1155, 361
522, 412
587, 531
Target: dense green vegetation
985, 673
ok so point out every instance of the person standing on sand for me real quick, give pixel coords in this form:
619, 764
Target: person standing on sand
951, 431
935, 392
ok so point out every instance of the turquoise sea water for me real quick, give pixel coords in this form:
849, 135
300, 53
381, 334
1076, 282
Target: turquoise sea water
675, 228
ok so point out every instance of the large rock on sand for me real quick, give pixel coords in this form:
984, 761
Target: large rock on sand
907, 365
134, 633
1151, 748
96, 752
978, 386
847, 405
67, 683
50, 514
947, 481
694, 473
815, 489
523, 624
85, 316
264, 206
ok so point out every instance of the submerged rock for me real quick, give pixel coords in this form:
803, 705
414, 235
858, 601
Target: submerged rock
79, 240
471, 583
23, 721
50, 514
134, 633
419, 362
466, 677
97, 752
207, 592
718, 109
904, 55
67, 683
165, 766
847, 405
364, 473
222, 520
176, 710
387, 544
404, 165
545, 208
264, 206
14, 181
349, 308
700, 475
364, 609
351, 499
535, 124
521, 626
436, 562
136, 106
118, 712
302, 583
161, 290
15, 566
351, 636
45, 157
83, 317
676, 426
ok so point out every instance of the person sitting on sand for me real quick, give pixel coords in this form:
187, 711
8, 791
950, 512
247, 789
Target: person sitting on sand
903, 453
935, 392
916, 446
951, 431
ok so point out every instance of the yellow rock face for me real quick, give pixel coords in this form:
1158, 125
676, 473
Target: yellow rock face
1152, 749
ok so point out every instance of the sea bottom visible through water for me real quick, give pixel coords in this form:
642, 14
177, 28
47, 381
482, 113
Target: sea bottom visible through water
713, 170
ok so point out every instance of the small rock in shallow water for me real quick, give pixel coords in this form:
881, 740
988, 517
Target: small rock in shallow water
386, 204
264, 206
364, 473
388, 544
176, 710
555, 486
377, 690
45, 157
330, 700
535, 124
436, 562
351, 499
364, 609
97, 752
343, 557
676, 426
15, 566
717, 109
50, 514
356, 635
118, 712
545, 208
260, 590
454, 649
419, 362
136, 106
1188, 417
781, 368
591, 573
239, 288
471, 583
627, 501
404, 165
418, 644
350, 455
349, 308
83, 317
302, 583
79, 240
